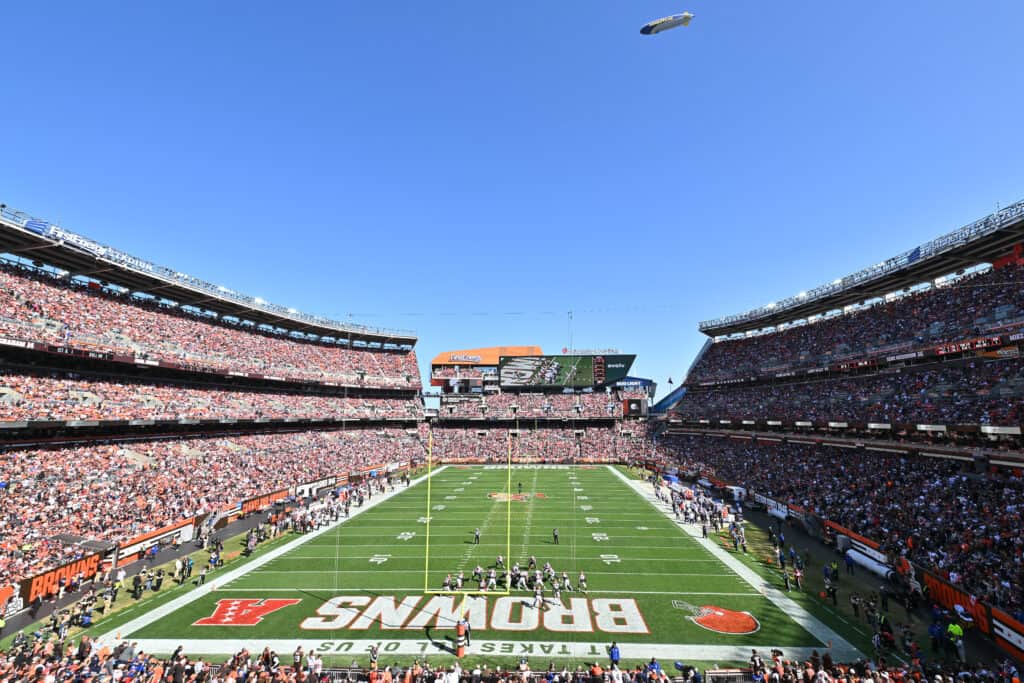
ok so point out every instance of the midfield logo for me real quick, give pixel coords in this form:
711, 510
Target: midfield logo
720, 619
517, 497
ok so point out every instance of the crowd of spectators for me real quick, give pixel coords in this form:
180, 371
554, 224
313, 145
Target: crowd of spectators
71, 396
544, 443
963, 525
968, 307
46, 658
509, 406
775, 667
39, 306
116, 492
968, 392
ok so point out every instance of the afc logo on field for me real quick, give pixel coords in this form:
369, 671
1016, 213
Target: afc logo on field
244, 611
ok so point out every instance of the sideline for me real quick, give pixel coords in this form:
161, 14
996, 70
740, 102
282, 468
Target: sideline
124, 630
842, 649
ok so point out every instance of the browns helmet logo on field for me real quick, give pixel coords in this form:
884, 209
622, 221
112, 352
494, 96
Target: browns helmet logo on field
720, 619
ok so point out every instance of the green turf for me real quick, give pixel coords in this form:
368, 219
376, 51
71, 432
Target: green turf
383, 552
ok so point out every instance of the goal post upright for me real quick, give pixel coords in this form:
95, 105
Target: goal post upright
430, 469
508, 500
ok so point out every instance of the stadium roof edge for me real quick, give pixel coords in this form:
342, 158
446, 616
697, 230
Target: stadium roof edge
40, 240
982, 240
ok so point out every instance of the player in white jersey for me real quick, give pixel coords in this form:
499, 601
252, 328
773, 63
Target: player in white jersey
581, 583
492, 580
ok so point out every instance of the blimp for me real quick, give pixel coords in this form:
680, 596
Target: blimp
666, 23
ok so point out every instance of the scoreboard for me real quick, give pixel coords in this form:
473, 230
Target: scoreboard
575, 372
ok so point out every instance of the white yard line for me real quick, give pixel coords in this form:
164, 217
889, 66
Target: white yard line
527, 521
410, 571
842, 649
509, 648
214, 580
349, 556
523, 594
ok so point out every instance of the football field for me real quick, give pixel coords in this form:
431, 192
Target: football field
655, 588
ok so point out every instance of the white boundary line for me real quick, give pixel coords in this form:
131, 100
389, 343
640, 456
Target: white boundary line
224, 579
842, 649
553, 649
522, 594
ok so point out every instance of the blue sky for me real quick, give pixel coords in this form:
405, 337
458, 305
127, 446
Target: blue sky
473, 171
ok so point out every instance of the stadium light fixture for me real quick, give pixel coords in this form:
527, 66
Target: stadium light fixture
259, 300
802, 295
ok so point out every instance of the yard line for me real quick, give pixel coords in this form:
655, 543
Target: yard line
411, 571
524, 594
528, 521
546, 557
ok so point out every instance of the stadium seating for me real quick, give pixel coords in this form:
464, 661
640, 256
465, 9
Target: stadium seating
41, 307
69, 396
968, 307
527, 406
548, 443
968, 392
962, 525
115, 492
